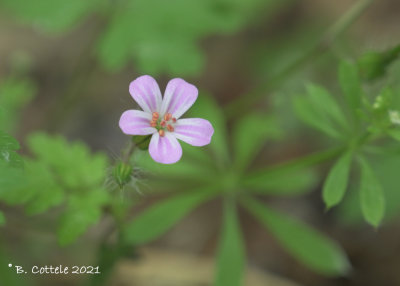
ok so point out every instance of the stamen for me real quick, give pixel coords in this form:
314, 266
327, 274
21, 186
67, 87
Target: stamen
170, 128
173, 119
161, 132
167, 116
155, 115
153, 123
163, 123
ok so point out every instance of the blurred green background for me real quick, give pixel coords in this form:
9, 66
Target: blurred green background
65, 67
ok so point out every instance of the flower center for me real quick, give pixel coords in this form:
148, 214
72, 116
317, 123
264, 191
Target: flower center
163, 123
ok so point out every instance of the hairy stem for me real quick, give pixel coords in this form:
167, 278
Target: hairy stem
244, 103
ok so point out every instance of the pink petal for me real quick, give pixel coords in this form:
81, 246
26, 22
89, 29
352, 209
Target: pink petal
166, 149
136, 122
194, 131
179, 97
146, 93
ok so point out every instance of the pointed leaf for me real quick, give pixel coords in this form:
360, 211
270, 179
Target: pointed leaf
249, 136
336, 182
231, 253
157, 219
371, 195
319, 110
306, 244
350, 84
282, 182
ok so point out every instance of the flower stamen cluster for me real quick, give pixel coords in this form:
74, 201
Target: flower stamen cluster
163, 123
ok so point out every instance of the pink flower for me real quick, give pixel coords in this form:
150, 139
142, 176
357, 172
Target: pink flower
161, 118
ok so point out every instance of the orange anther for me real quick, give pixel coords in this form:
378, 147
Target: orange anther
163, 123
170, 128
155, 115
173, 119
167, 116
153, 124
161, 132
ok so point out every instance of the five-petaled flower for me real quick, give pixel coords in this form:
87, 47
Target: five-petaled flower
161, 118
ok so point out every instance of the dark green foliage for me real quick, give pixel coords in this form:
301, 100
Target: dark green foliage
231, 252
373, 65
306, 244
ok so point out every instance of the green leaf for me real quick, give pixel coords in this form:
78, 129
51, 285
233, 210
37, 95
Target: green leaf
161, 46
231, 253
371, 195
15, 93
249, 136
50, 15
206, 107
2, 219
319, 110
373, 65
34, 186
351, 86
336, 182
74, 164
281, 182
8, 146
394, 133
158, 218
187, 169
289, 177
47, 192
83, 210
310, 247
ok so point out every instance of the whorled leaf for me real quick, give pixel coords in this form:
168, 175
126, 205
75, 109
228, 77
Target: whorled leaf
231, 252
372, 198
157, 219
306, 244
335, 184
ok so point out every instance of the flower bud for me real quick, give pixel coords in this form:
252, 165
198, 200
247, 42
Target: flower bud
122, 173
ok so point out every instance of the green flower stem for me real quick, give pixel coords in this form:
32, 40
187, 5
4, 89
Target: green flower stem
244, 103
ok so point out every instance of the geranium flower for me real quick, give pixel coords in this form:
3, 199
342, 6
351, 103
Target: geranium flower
161, 118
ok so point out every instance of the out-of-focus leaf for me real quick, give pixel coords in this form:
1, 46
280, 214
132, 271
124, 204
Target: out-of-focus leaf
2, 219
310, 247
336, 182
8, 146
15, 93
73, 162
373, 65
47, 192
206, 107
386, 168
395, 134
186, 169
83, 210
319, 110
160, 217
351, 86
168, 43
249, 136
372, 198
51, 15
231, 253
34, 186
285, 182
